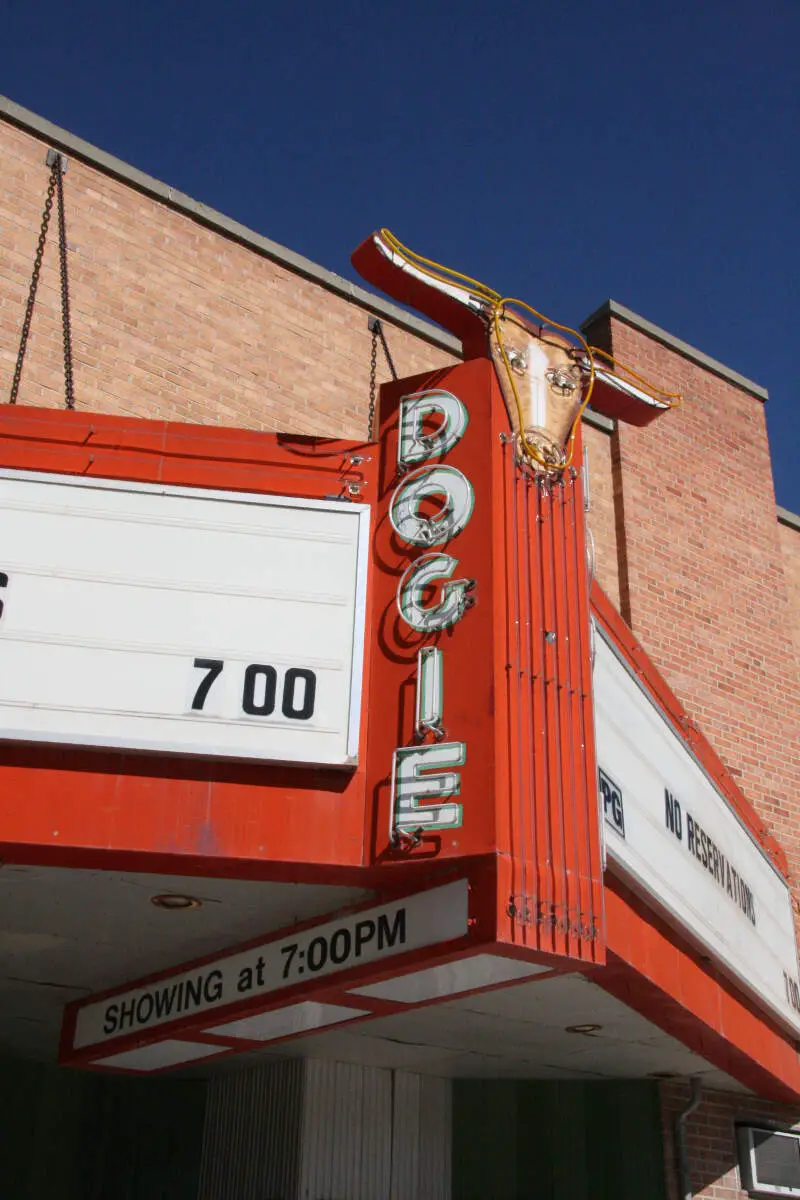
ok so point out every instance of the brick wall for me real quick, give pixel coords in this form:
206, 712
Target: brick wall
602, 516
711, 1138
702, 578
174, 320
790, 547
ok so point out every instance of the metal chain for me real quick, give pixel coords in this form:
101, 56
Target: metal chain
373, 368
376, 329
69, 394
56, 184
385, 345
37, 266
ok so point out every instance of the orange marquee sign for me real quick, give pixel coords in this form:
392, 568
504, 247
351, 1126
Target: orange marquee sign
481, 663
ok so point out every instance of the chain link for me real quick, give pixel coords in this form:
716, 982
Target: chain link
37, 266
56, 184
66, 329
385, 345
373, 369
376, 329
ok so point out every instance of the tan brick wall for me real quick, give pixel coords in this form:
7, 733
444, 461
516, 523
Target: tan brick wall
601, 518
711, 1138
702, 575
790, 547
174, 320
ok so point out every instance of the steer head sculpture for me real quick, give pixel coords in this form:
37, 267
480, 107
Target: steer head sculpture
546, 376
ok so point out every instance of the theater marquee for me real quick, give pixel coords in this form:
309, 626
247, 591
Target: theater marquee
181, 620
674, 835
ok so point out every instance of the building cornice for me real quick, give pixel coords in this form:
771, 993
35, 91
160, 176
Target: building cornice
611, 308
60, 139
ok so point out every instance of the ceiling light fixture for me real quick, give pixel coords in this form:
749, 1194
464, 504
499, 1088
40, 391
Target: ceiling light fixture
582, 1028
175, 902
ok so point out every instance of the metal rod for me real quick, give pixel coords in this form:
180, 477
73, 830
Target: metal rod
684, 1179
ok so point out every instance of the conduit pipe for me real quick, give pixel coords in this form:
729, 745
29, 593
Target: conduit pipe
684, 1181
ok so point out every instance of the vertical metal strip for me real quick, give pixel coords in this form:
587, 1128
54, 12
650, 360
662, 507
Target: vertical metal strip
580, 813
560, 733
516, 791
525, 807
554, 799
510, 632
592, 826
579, 816
542, 848
552, 834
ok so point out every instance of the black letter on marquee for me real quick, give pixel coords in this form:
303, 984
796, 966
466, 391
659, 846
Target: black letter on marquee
212, 988
672, 815
213, 666
266, 706
365, 932
388, 936
303, 711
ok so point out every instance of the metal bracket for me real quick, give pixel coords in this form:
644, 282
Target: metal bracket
375, 327
406, 841
53, 156
433, 727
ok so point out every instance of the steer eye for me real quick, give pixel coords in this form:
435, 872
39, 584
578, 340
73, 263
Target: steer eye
560, 381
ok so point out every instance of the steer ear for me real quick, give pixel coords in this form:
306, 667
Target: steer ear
448, 304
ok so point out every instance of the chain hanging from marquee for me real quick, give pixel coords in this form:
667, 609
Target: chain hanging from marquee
55, 188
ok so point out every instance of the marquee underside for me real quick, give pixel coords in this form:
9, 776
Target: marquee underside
66, 933
516, 1032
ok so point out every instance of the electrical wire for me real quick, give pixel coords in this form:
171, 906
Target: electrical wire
529, 447
650, 388
436, 270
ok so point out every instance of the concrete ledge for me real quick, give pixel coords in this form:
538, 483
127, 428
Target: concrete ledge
612, 309
788, 518
599, 421
15, 114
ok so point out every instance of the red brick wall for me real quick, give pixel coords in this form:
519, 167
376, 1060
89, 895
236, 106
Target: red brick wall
702, 578
711, 1138
174, 320
601, 518
790, 546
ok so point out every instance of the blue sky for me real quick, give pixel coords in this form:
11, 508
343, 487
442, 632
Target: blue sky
564, 153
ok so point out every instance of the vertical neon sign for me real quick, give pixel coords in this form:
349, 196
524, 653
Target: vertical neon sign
425, 775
